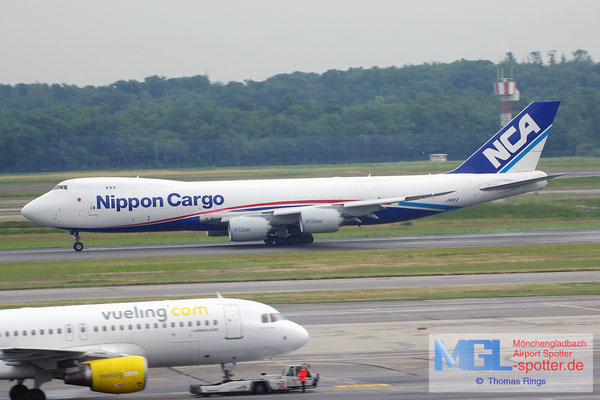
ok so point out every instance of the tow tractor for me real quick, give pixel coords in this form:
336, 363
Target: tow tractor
267, 383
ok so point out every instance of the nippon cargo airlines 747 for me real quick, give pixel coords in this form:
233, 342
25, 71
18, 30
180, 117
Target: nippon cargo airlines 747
109, 347
292, 210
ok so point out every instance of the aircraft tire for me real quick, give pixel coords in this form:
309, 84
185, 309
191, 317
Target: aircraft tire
35, 394
18, 392
78, 246
309, 238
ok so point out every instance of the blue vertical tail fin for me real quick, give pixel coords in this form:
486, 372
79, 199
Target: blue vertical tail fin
517, 146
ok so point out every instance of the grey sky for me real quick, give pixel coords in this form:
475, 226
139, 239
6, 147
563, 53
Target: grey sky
99, 42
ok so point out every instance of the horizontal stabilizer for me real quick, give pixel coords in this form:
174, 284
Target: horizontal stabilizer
512, 185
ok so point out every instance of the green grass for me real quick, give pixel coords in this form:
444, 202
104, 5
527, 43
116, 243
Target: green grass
314, 265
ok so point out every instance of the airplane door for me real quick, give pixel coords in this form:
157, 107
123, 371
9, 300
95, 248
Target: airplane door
69, 332
83, 332
233, 322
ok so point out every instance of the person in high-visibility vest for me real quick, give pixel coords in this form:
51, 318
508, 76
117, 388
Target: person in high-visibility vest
302, 376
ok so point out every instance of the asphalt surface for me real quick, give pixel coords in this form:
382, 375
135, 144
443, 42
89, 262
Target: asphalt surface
230, 289
320, 244
380, 350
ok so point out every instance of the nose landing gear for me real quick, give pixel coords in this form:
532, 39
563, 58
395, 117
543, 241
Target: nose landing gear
77, 246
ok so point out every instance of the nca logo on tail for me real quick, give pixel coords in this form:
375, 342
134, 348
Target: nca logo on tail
504, 147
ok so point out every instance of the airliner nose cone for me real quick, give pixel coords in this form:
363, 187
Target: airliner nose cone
35, 212
27, 211
300, 336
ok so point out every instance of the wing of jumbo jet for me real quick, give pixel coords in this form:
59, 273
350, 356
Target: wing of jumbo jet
358, 208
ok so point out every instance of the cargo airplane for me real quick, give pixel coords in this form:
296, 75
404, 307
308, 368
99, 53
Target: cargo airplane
109, 347
292, 210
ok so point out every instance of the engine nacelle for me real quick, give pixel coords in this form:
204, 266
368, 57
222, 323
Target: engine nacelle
111, 375
320, 220
248, 228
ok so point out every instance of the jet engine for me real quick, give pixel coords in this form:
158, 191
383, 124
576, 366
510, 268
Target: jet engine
111, 375
248, 228
320, 220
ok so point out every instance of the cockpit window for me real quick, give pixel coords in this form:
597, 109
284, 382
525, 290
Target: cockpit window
276, 317
60, 187
264, 318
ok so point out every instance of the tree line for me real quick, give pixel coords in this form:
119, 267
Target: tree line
358, 115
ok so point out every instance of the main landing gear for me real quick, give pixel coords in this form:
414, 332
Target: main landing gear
21, 392
77, 246
275, 240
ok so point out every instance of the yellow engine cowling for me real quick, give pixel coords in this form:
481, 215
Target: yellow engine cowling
111, 375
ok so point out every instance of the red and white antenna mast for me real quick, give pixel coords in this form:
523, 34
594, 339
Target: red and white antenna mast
506, 88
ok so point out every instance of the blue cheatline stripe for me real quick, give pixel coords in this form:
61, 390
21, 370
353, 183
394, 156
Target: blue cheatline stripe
525, 151
431, 206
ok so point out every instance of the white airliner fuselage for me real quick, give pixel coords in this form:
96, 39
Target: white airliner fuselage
292, 210
56, 342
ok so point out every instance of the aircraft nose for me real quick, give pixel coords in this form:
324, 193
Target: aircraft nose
299, 336
36, 212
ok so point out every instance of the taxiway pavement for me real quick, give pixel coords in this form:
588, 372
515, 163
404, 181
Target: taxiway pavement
379, 350
320, 244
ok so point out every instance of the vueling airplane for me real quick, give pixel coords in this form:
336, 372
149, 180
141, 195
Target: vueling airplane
109, 347
292, 210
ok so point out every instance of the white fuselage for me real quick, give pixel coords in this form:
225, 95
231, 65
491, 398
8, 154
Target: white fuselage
166, 333
138, 204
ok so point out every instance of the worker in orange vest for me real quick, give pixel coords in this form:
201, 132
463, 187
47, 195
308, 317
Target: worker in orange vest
302, 376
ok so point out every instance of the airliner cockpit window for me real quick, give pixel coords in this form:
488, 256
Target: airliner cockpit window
60, 187
274, 317
264, 318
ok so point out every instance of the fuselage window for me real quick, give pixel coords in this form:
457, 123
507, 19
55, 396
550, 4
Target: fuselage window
190, 323
59, 331
16, 333
207, 322
164, 324
33, 332
24, 333
139, 326
264, 318
50, 331
95, 329
147, 326
121, 327
172, 324
103, 328
7, 333
215, 322
112, 327
41, 331
130, 327
156, 325
181, 324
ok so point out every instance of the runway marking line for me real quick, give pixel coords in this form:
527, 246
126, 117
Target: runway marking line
570, 306
362, 385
